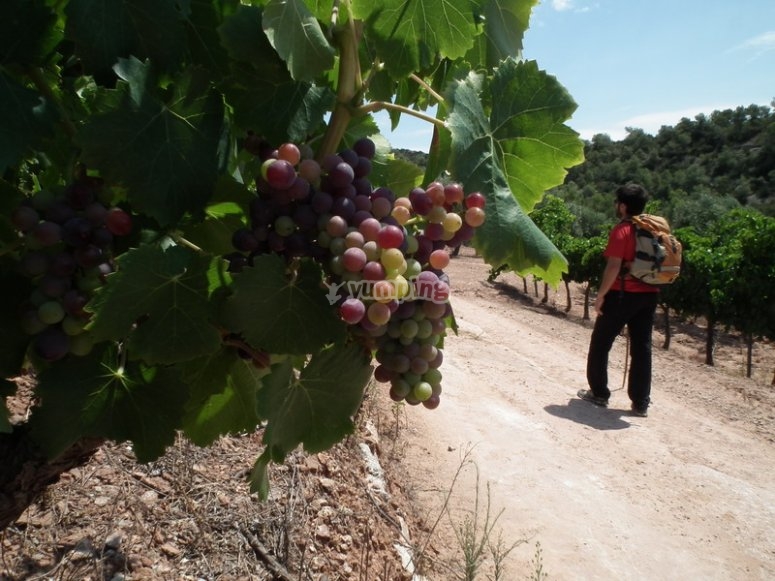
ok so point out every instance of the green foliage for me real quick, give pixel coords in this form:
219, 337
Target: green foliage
161, 101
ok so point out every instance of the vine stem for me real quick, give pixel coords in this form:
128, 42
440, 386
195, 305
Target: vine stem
427, 87
349, 84
380, 105
37, 78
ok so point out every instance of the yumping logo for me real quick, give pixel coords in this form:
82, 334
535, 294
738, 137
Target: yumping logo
399, 289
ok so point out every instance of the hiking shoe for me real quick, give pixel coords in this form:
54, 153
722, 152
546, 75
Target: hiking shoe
640, 412
587, 395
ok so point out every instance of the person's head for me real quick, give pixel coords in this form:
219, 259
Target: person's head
633, 197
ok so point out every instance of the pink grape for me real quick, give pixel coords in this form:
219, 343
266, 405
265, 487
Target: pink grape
370, 228
453, 193
280, 174
381, 207
373, 270
378, 313
352, 310
439, 259
354, 259
390, 237
475, 200
475, 216
289, 152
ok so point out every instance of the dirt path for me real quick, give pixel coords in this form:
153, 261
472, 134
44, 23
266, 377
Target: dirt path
687, 493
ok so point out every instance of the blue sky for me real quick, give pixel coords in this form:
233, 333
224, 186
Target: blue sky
646, 63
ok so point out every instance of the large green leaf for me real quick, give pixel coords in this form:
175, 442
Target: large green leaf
26, 119
97, 396
105, 31
223, 396
27, 32
409, 35
315, 409
297, 37
279, 312
266, 100
505, 23
165, 153
534, 146
512, 157
168, 290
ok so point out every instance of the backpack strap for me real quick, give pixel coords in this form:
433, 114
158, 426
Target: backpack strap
625, 268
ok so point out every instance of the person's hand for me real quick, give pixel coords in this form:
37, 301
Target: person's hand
599, 304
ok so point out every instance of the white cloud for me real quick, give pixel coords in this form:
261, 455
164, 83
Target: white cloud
569, 5
764, 41
562, 5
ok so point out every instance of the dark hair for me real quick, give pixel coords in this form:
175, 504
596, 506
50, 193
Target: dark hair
633, 196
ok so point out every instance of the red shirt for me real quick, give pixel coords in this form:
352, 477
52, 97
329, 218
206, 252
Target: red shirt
621, 244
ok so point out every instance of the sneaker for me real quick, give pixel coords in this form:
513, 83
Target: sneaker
587, 395
640, 412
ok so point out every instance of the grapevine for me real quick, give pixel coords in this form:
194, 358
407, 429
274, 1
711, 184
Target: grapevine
205, 232
383, 255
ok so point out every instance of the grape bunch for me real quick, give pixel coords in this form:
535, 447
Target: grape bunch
65, 247
383, 255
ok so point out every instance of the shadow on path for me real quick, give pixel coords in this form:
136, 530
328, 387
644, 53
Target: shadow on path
583, 412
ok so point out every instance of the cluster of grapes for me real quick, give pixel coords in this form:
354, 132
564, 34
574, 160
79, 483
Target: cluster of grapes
384, 254
66, 244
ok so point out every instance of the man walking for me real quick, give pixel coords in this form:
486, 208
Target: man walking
622, 300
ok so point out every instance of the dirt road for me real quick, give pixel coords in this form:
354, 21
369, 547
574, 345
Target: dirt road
687, 493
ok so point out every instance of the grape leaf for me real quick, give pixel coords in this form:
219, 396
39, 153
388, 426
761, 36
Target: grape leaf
397, 174
512, 157
505, 23
296, 36
243, 36
222, 217
297, 108
535, 146
408, 35
27, 32
13, 341
105, 31
314, 410
95, 396
278, 314
259, 81
168, 289
203, 19
165, 153
26, 118
223, 396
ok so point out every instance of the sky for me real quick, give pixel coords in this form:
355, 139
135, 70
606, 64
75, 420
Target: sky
645, 63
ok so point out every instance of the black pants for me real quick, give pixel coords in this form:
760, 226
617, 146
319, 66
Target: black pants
636, 310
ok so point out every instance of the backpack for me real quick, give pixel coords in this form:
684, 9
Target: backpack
657, 252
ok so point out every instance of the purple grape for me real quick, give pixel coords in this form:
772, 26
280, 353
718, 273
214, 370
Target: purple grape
76, 231
25, 218
34, 263
51, 344
62, 264
365, 147
244, 240
47, 233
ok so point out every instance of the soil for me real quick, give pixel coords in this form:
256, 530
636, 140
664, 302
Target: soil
512, 463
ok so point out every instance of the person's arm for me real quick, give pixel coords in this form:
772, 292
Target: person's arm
613, 267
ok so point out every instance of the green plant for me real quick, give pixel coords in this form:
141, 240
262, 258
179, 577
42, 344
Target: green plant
197, 311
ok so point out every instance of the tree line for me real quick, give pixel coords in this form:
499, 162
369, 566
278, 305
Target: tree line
713, 178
